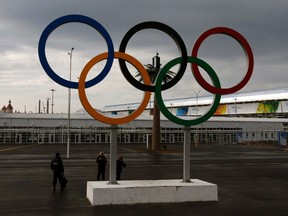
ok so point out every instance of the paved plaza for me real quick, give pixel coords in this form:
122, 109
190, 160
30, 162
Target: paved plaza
252, 180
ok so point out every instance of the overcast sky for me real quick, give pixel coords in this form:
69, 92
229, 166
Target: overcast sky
22, 79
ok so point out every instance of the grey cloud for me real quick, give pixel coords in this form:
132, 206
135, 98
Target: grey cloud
261, 22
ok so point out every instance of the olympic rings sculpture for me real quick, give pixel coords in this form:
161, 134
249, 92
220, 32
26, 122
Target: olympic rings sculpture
146, 85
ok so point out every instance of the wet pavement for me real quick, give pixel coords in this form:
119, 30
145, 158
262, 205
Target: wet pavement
252, 180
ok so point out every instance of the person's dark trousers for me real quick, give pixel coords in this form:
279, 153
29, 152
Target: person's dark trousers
101, 173
118, 176
58, 176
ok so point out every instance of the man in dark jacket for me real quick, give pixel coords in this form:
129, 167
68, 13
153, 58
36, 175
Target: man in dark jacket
102, 161
58, 171
119, 165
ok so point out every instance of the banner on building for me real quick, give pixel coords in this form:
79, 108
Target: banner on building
282, 137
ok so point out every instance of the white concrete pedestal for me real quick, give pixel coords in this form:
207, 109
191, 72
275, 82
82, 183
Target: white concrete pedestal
150, 191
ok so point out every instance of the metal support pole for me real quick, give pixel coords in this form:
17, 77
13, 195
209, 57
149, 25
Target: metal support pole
47, 105
52, 103
69, 106
113, 154
186, 157
196, 140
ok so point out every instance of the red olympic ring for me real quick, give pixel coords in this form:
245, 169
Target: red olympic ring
247, 49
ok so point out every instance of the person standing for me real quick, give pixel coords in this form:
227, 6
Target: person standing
58, 171
119, 165
102, 161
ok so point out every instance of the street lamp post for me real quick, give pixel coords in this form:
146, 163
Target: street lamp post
196, 92
235, 106
69, 104
52, 102
171, 104
47, 105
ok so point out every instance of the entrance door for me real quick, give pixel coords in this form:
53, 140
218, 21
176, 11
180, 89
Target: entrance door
18, 138
40, 138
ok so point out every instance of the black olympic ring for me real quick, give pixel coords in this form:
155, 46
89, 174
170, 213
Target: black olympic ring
177, 39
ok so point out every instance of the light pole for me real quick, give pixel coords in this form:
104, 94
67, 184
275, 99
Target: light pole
171, 104
69, 103
52, 102
235, 106
196, 92
48, 105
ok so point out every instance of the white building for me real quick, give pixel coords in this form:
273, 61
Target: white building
267, 122
264, 103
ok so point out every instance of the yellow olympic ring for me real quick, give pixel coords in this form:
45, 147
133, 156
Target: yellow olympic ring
87, 106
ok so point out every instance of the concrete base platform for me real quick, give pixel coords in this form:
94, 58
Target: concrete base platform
150, 191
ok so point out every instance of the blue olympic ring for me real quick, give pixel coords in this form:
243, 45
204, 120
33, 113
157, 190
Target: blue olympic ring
82, 19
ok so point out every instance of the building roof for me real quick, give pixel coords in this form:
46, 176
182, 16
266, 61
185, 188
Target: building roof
243, 97
64, 116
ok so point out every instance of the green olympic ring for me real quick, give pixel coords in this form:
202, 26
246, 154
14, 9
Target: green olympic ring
160, 101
